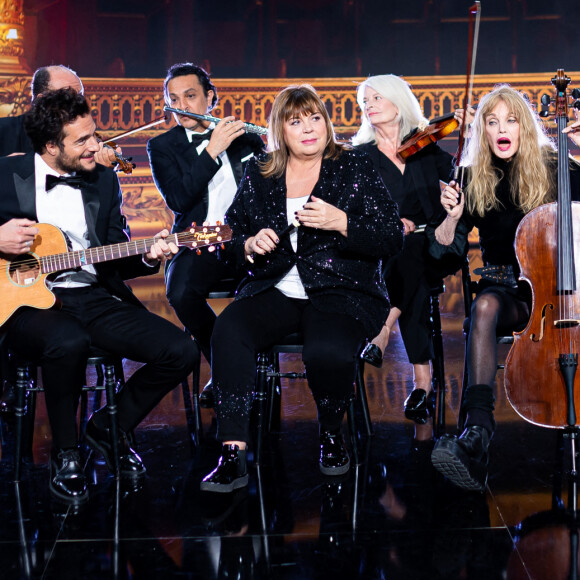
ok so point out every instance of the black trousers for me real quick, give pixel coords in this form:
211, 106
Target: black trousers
332, 343
59, 340
189, 278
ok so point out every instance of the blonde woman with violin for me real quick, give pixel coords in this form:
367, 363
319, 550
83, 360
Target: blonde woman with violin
390, 112
512, 168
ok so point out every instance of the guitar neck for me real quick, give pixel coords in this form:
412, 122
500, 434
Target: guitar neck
194, 238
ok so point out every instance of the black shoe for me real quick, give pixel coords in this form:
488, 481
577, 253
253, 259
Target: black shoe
8, 398
206, 397
334, 458
130, 464
464, 460
67, 478
372, 354
230, 473
420, 406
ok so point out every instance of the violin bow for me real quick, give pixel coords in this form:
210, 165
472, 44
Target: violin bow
474, 18
137, 129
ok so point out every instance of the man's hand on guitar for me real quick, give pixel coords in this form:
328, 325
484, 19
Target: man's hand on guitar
17, 235
161, 250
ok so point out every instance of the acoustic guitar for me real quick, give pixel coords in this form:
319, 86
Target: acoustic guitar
23, 277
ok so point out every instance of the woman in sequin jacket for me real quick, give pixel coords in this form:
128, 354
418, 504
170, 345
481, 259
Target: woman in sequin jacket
321, 279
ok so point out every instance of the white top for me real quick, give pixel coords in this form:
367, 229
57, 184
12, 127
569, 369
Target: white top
62, 207
291, 285
222, 186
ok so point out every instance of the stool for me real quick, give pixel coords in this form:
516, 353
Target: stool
268, 393
109, 375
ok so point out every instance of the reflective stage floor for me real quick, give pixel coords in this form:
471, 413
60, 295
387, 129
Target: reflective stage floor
392, 517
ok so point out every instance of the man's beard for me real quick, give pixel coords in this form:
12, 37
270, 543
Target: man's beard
68, 164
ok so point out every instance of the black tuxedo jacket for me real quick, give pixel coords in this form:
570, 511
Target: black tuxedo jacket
106, 224
182, 176
13, 137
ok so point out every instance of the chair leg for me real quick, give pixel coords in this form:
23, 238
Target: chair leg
21, 383
110, 390
350, 413
438, 366
274, 390
261, 398
361, 393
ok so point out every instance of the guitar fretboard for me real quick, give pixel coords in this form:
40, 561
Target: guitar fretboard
197, 238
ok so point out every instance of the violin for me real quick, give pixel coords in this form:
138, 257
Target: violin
540, 370
437, 129
123, 164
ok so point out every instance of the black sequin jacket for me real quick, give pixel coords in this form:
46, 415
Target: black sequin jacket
340, 274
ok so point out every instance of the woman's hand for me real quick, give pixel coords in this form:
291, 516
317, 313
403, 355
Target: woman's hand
408, 225
262, 243
459, 113
323, 216
452, 200
573, 130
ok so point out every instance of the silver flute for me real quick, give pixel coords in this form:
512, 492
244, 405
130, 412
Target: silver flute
250, 127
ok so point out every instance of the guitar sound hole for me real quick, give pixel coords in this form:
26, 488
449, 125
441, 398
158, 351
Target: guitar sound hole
24, 270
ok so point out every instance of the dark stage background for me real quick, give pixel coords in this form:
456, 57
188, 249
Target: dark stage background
299, 38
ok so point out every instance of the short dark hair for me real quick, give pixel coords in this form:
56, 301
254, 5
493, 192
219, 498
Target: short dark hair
50, 112
184, 69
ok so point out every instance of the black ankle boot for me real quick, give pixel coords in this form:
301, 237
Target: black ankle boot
99, 438
231, 472
334, 458
372, 354
464, 460
420, 406
67, 479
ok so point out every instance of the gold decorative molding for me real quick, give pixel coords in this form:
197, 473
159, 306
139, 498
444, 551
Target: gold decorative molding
11, 37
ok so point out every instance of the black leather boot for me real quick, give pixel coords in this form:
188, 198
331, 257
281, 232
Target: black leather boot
372, 354
231, 472
67, 478
463, 460
420, 406
334, 459
130, 464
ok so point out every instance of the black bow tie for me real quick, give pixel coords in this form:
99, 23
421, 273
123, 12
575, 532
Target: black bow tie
198, 138
72, 180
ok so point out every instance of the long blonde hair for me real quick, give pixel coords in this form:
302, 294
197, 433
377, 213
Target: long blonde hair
532, 182
294, 101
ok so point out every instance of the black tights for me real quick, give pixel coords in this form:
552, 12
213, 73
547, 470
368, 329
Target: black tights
490, 307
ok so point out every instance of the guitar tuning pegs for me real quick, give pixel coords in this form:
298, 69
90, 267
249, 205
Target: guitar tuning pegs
545, 110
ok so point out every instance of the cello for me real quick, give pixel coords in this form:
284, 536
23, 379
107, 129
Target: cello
540, 371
